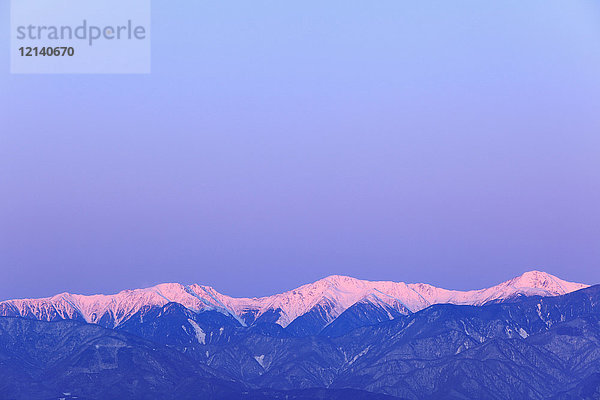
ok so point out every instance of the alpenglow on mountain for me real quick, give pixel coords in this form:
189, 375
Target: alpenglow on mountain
307, 309
337, 339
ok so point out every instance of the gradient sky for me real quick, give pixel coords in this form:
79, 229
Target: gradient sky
455, 143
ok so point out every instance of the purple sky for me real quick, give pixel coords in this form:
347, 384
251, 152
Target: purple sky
455, 143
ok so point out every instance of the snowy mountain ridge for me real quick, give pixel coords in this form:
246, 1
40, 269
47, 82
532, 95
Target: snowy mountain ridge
332, 296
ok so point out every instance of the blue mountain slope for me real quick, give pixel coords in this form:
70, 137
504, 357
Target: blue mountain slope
531, 348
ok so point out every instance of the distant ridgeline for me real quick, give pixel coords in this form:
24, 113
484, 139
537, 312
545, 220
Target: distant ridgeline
533, 337
305, 310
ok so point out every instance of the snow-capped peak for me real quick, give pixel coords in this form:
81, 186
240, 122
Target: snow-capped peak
544, 281
335, 294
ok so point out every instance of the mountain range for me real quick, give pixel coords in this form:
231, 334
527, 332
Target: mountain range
532, 337
322, 301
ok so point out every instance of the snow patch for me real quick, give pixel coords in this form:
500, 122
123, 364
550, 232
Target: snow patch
523, 333
362, 353
200, 335
261, 360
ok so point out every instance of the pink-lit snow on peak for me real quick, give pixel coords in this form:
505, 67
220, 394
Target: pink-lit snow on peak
336, 293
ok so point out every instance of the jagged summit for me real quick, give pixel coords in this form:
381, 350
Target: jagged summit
328, 297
